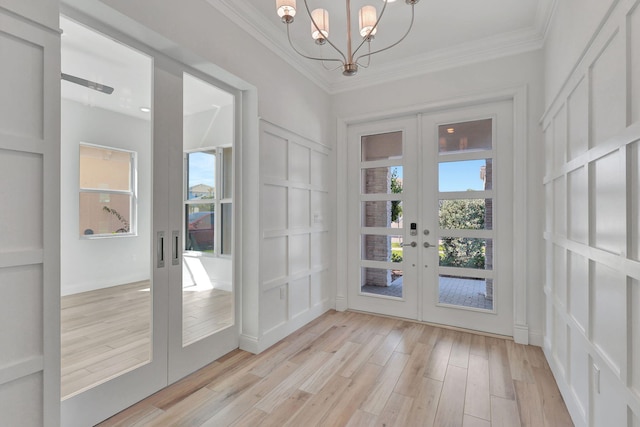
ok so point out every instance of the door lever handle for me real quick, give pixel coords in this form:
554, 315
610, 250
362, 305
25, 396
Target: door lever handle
412, 244
428, 245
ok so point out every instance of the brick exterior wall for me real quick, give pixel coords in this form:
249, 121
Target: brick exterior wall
377, 214
488, 225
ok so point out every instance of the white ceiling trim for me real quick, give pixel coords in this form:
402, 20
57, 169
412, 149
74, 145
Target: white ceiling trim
248, 18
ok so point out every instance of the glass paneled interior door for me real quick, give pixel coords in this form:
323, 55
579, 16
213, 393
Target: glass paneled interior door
430, 218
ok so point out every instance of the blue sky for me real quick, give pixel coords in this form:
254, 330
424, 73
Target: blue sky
457, 176
202, 169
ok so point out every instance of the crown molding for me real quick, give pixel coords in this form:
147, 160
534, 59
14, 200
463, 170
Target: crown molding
248, 18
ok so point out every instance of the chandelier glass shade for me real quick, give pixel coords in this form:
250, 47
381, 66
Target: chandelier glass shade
349, 59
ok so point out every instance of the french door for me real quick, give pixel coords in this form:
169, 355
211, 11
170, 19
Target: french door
430, 222
181, 313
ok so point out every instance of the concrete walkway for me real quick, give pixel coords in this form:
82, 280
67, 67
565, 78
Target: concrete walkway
453, 290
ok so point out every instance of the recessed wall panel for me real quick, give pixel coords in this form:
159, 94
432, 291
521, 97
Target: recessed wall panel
548, 199
635, 418
22, 67
560, 274
579, 366
609, 312
317, 292
578, 126
298, 253
21, 308
299, 164
22, 400
560, 206
635, 335
298, 208
548, 149
559, 137
274, 256
276, 301
578, 206
634, 49
609, 204
578, 267
273, 156
319, 249
319, 209
634, 201
608, 92
319, 170
560, 340
299, 296
274, 210
21, 228
608, 408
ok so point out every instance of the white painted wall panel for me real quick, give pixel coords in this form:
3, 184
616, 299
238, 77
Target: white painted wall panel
609, 204
317, 292
319, 166
635, 335
274, 258
320, 209
578, 206
635, 420
299, 296
608, 91
560, 274
549, 149
634, 49
560, 342
20, 308
21, 227
22, 67
578, 267
299, 205
634, 200
609, 322
274, 207
608, 408
579, 365
560, 206
298, 253
21, 402
549, 203
273, 156
578, 126
277, 313
560, 137
299, 167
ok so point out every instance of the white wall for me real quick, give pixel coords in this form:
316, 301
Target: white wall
446, 88
89, 264
592, 185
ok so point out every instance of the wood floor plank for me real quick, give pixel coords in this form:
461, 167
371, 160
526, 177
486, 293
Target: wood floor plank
382, 390
451, 406
504, 412
500, 381
478, 395
384, 386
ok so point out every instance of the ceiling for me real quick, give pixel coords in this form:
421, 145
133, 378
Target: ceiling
445, 33
92, 56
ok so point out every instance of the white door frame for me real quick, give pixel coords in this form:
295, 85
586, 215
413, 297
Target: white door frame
520, 197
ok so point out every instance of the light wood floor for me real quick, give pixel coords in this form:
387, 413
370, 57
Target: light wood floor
106, 332
361, 370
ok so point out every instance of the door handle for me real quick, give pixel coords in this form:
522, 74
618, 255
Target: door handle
412, 244
175, 248
428, 245
160, 249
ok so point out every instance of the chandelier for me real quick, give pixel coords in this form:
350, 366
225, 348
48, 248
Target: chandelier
368, 21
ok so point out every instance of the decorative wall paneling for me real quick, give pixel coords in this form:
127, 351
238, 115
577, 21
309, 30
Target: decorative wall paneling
295, 230
29, 213
592, 187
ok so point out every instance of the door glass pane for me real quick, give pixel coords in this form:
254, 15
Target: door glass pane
466, 291
469, 175
465, 252
382, 214
382, 180
207, 280
106, 286
381, 248
466, 214
466, 136
381, 281
382, 146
